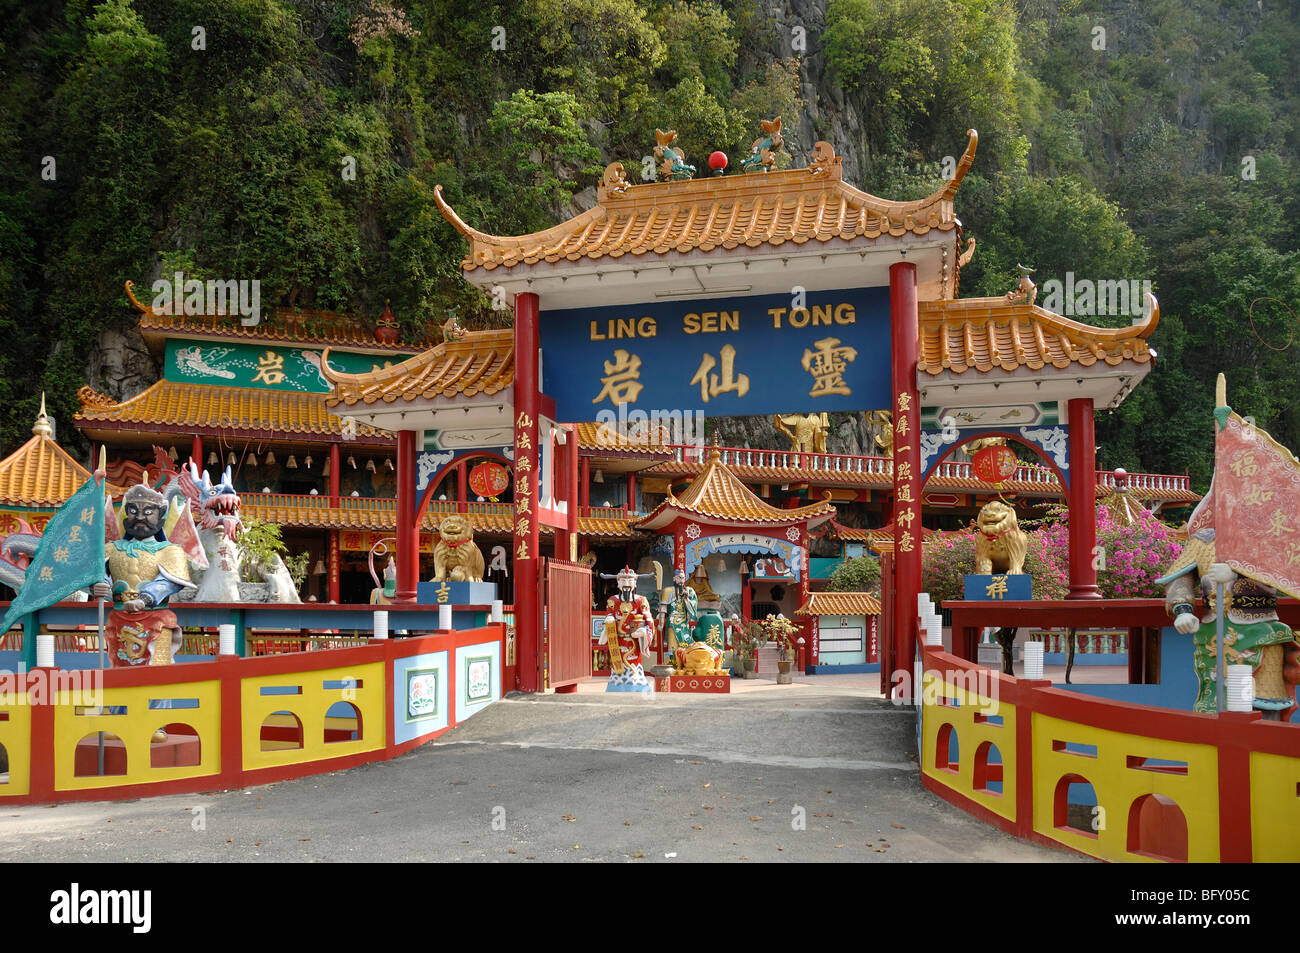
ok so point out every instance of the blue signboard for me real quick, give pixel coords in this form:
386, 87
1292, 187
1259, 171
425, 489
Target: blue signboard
762, 354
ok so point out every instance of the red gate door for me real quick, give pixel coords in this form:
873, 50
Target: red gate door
566, 623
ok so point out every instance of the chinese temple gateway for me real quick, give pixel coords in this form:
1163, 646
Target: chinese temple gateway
756, 294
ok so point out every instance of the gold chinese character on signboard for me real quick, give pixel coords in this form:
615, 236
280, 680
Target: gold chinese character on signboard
74, 534
521, 527
523, 504
711, 385
61, 554
621, 383
905, 543
905, 518
997, 588
1245, 464
1255, 495
827, 365
47, 574
88, 515
904, 402
270, 368
1277, 524
523, 422
523, 443
444, 593
905, 493
905, 470
522, 551
900, 427
523, 465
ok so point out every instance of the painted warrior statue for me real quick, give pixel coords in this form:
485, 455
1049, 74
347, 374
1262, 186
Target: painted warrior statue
1253, 633
809, 433
680, 606
144, 570
629, 627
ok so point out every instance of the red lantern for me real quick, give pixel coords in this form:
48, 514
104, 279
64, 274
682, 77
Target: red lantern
718, 161
489, 479
995, 464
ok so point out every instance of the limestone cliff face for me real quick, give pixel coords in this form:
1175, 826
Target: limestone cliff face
120, 364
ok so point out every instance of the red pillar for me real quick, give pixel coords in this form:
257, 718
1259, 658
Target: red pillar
334, 476
631, 492
806, 623
905, 330
408, 532
571, 492
334, 558
1083, 500
196, 451
527, 393
585, 484
462, 486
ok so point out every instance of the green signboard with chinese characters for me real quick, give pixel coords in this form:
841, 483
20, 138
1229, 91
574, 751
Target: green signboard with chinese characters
260, 365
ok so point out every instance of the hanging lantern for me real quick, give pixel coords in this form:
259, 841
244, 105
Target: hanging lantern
212, 458
270, 458
994, 464
252, 459
230, 459
489, 479
292, 464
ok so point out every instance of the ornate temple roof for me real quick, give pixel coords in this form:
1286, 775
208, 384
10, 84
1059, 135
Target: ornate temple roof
480, 362
603, 440
839, 603
40, 473
718, 496
235, 411
299, 326
988, 333
753, 210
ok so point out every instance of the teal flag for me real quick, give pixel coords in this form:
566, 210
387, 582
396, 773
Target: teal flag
70, 555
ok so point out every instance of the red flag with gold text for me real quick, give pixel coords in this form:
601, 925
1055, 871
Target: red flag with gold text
1256, 509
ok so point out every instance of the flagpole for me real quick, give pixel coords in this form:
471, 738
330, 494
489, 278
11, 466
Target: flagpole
103, 654
1220, 400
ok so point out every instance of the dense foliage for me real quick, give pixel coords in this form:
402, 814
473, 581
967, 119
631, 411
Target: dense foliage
860, 574
138, 137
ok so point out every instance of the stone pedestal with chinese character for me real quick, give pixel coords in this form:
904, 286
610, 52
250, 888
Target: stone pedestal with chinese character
456, 593
999, 587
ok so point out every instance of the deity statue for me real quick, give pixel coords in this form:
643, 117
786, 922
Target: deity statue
144, 570
629, 627
703, 655
809, 433
1000, 544
1253, 634
1025, 290
679, 605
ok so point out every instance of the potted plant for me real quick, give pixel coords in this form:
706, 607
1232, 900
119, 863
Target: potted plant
749, 637
779, 629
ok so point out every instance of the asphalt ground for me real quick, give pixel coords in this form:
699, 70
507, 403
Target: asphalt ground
810, 772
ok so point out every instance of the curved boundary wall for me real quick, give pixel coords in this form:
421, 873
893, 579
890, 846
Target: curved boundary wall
1160, 784
256, 720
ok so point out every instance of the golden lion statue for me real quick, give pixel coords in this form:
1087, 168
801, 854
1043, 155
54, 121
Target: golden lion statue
1000, 543
455, 557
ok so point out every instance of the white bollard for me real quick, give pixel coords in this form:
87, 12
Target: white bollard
226, 639
444, 618
381, 624
45, 651
1033, 659
498, 610
1240, 688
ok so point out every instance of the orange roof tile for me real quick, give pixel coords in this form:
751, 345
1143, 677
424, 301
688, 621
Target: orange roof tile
40, 473
718, 495
797, 205
298, 326
229, 409
604, 440
381, 514
987, 333
839, 603
481, 362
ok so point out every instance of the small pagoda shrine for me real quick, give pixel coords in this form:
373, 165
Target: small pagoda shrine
718, 521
